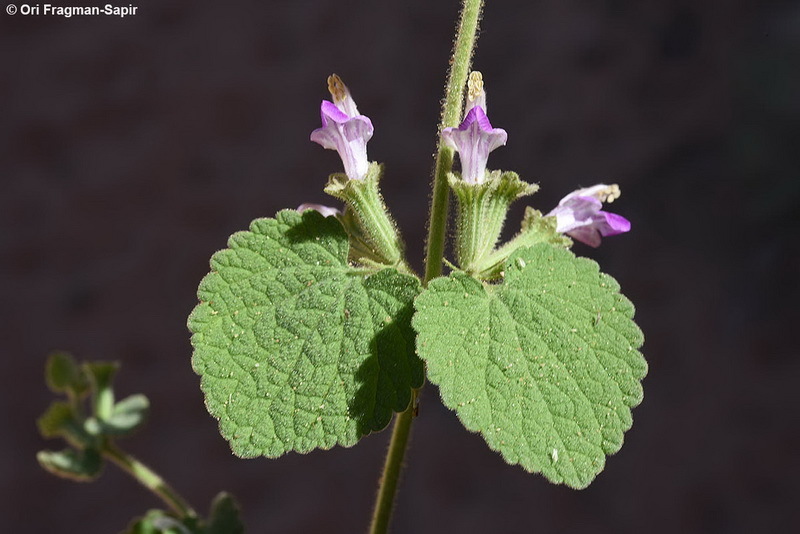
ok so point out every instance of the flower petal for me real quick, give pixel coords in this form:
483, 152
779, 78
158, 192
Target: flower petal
579, 215
347, 135
474, 139
326, 211
587, 235
575, 211
612, 224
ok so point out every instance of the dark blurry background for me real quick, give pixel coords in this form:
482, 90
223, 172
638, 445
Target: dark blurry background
130, 149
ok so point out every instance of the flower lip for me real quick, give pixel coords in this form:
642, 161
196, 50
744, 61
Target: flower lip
477, 114
330, 111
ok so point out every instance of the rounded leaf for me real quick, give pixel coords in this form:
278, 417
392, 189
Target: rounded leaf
298, 350
544, 365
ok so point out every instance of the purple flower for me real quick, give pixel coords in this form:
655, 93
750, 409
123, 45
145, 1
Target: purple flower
344, 129
474, 138
326, 211
579, 215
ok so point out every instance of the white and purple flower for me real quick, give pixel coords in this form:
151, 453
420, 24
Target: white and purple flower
344, 129
579, 215
474, 138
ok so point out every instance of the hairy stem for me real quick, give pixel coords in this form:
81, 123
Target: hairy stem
149, 479
382, 513
451, 114
437, 226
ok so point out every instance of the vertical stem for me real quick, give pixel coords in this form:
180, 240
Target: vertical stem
437, 226
149, 479
391, 470
451, 113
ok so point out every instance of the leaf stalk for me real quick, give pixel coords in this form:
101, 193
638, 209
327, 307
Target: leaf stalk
149, 479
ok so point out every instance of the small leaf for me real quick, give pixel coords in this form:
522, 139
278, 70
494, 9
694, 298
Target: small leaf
127, 416
59, 421
82, 466
161, 522
224, 516
297, 349
53, 421
101, 375
545, 365
63, 374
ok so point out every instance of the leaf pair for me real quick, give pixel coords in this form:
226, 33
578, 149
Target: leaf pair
298, 350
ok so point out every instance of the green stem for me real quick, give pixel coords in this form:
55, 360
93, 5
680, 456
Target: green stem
437, 227
451, 114
391, 470
149, 479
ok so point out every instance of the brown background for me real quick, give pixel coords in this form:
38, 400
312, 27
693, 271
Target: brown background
130, 149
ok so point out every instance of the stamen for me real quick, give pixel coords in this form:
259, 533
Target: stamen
609, 194
474, 86
337, 88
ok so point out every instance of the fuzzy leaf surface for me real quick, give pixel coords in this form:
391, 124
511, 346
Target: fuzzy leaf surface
298, 350
545, 366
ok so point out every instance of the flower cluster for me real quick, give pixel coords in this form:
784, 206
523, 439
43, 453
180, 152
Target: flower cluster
345, 130
578, 214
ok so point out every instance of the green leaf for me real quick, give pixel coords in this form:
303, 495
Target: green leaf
55, 419
297, 349
161, 522
127, 416
63, 374
59, 421
101, 375
82, 466
545, 365
224, 516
